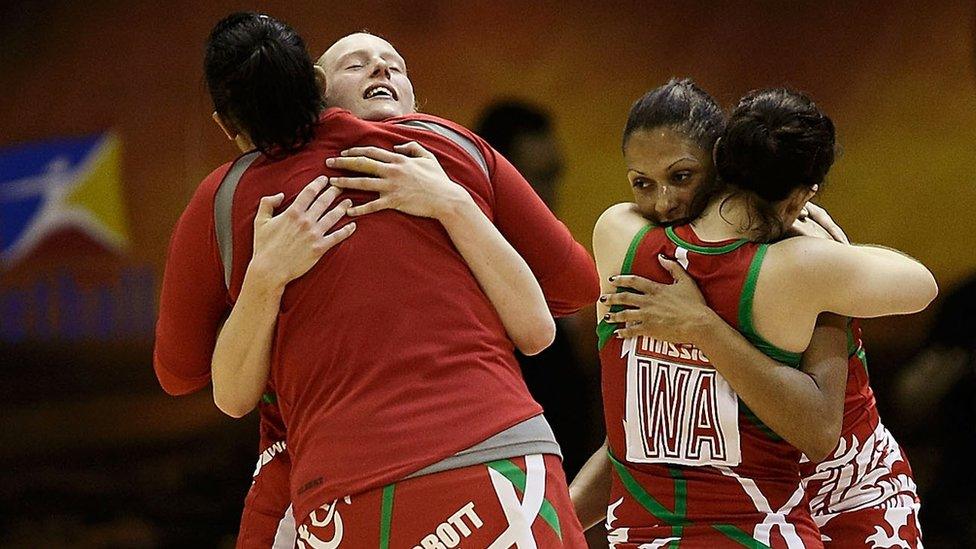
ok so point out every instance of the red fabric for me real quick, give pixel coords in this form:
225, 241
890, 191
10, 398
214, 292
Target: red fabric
458, 508
863, 494
267, 500
875, 527
194, 299
385, 351
712, 496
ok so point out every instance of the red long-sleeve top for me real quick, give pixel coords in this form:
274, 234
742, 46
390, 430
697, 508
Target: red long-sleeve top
387, 355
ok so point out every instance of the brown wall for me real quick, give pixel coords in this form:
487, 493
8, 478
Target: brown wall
898, 81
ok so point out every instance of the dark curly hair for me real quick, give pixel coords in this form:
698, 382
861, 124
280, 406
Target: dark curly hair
261, 78
775, 141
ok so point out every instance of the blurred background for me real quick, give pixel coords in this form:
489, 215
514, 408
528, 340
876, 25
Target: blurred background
105, 132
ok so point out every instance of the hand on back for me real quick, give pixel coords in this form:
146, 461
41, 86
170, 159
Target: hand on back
409, 179
671, 312
816, 222
287, 245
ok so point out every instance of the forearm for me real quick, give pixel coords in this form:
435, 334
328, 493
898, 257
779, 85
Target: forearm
242, 356
565, 270
503, 275
590, 490
810, 419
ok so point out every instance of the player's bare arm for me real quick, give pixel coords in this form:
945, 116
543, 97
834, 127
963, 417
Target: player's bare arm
411, 180
286, 246
590, 490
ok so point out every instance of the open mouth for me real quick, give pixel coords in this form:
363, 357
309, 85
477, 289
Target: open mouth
380, 91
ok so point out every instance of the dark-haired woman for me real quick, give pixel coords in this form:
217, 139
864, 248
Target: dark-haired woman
695, 436
391, 358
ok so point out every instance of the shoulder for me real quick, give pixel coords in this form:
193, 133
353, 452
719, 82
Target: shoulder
211, 183
815, 268
619, 221
805, 253
443, 122
200, 208
614, 231
485, 149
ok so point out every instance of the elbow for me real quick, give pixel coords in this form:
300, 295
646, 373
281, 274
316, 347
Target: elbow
931, 287
926, 290
233, 407
539, 338
824, 441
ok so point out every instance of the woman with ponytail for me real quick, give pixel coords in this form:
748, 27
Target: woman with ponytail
706, 447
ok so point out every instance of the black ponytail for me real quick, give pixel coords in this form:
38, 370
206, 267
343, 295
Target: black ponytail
261, 78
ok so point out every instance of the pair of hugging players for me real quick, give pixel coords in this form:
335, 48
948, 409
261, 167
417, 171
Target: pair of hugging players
383, 442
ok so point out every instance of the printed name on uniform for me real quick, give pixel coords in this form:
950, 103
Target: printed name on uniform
449, 533
680, 410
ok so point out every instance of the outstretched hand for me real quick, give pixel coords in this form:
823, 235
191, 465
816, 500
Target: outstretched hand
287, 245
671, 312
408, 179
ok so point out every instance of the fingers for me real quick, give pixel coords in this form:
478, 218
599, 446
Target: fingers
374, 184
267, 205
375, 153
823, 219
625, 315
673, 267
308, 194
414, 149
323, 201
629, 332
335, 237
332, 217
628, 299
361, 164
638, 283
372, 206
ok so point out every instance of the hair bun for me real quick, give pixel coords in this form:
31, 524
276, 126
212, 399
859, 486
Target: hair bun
775, 141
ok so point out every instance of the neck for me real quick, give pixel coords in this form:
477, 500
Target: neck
729, 215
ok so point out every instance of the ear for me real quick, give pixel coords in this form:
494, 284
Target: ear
811, 192
320, 78
799, 200
228, 128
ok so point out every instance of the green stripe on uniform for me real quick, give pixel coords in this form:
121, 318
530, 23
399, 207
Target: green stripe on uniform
739, 536
516, 476
704, 250
647, 501
746, 325
604, 329
386, 516
678, 518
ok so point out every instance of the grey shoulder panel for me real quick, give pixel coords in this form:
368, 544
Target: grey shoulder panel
223, 206
465, 143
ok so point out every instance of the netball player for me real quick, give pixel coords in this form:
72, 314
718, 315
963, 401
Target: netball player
399, 391
753, 489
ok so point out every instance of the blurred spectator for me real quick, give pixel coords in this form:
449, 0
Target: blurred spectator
936, 398
565, 377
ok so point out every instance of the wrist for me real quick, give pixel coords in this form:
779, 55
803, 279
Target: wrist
263, 278
456, 207
707, 326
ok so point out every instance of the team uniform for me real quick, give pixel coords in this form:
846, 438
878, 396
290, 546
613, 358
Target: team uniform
693, 466
504, 503
863, 494
389, 361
